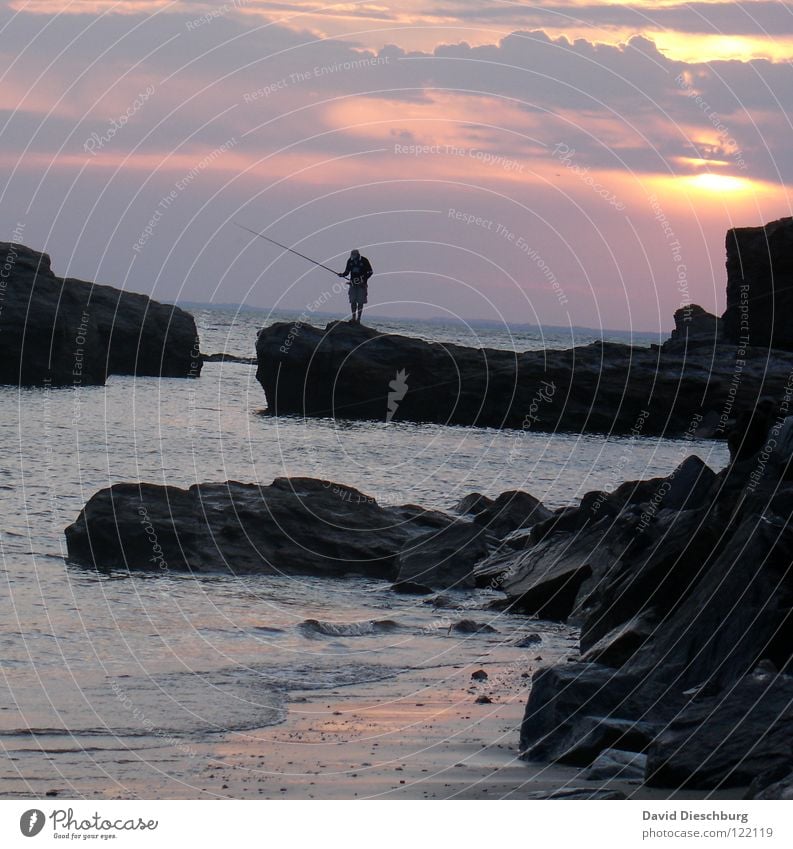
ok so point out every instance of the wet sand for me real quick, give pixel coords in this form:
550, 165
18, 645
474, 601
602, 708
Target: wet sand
419, 735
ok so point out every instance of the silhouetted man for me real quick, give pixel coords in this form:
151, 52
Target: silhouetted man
360, 270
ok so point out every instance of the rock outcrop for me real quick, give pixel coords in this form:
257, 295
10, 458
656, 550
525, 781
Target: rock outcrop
354, 372
694, 327
683, 590
293, 526
66, 332
760, 285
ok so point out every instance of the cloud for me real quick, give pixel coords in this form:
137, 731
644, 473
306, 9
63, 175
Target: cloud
541, 133
762, 17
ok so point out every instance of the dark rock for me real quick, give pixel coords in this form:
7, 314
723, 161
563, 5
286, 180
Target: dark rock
647, 566
483, 700
687, 603
479, 675
472, 504
584, 793
411, 588
546, 580
773, 784
576, 711
760, 285
446, 557
468, 626
66, 332
511, 511
694, 327
621, 643
729, 740
295, 525
347, 371
228, 358
616, 764
750, 432
735, 612
442, 601
518, 540
528, 641
614, 556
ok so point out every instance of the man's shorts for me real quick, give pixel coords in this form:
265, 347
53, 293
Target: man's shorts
358, 295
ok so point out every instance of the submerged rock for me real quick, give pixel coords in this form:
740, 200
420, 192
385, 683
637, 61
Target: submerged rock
469, 626
66, 332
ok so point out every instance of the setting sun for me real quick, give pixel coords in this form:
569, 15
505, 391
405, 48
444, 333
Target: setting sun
720, 183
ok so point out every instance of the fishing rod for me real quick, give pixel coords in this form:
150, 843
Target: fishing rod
291, 250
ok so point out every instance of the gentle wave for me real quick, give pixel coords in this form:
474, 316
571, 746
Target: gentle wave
367, 628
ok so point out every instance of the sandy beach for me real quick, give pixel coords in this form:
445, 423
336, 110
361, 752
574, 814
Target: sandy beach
427, 733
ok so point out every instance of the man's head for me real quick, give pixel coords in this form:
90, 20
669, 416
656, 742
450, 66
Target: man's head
355, 254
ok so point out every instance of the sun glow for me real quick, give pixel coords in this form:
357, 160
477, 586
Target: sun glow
719, 183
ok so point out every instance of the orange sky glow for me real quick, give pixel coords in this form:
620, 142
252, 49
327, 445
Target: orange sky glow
588, 131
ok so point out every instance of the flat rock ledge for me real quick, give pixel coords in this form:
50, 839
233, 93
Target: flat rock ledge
686, 387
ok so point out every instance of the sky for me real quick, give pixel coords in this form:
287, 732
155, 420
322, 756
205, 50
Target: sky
565, 163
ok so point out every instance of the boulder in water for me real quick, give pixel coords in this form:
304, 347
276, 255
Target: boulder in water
66, 332
292, 526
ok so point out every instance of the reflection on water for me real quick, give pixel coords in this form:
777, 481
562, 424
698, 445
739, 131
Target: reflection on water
88, 655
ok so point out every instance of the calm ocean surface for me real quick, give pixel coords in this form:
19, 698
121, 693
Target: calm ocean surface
89, 660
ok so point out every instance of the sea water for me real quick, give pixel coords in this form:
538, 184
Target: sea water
113, 663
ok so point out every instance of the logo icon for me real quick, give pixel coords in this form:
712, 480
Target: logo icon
31, 822
399, 389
